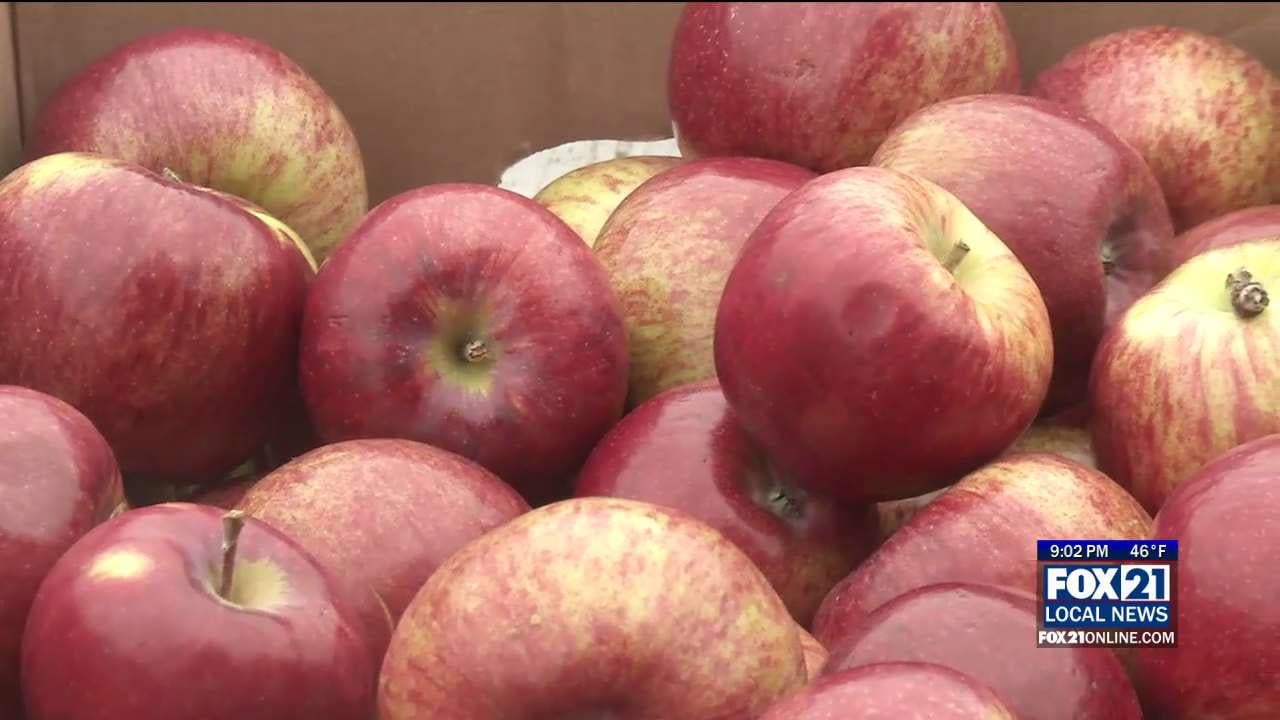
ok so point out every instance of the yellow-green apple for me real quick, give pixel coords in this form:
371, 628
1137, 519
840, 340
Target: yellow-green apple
585, 198
820, 84
893, 691
1226, 519
58, 479
668, 250
1091, 227
815, 655
177, 612
472, 319
219, 110
593, 608
1255, 223
168, 314
684, 449
877, 340
1200, 110
1004, 508
382, 514
989, 633
1190, 371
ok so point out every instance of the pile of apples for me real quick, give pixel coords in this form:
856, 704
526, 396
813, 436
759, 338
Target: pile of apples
768, 430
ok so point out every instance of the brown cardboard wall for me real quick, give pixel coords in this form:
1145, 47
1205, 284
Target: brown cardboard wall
459, 91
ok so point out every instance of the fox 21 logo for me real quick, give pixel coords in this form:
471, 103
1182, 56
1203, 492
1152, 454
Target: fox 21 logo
1107, 593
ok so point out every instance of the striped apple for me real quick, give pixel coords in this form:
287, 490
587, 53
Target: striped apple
1190, 371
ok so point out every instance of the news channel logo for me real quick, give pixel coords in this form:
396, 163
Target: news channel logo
1107, 593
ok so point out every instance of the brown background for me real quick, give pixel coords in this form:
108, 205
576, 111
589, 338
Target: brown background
459, 91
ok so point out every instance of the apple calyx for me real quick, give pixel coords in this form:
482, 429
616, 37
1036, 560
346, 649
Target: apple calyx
1248, 297
232, 524
475, 351
955, 256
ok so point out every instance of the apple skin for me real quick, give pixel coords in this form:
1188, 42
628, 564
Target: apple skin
382, 514
893, 691
58, 479
1255, 223
1183, 376
227, 494
1091, 226
131, 619
668, 250
989, 633
223, 111
1201, 111
683, 449
179, 350
593, 607
815, 655
820, 84
1003, 508
472, 319
864, 368
1226, 519
585, 198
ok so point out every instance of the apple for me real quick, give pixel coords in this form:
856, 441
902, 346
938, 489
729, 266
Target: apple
1255, 223
684, 449
893, 691
877, 340
177, 612
472, 319
1071, 441
167, 314
1003, 508
1190, 371
1226, 519
228, 493
585, 197
820, 84
815, 655
58, 479
219, 110
668, 250
1200, 110
593, 608
989, 633
382, 514
1090, 224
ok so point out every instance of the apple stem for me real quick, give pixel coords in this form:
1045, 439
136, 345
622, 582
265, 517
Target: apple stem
957, 254
1248, 297
232, 524
170, 175
475, 351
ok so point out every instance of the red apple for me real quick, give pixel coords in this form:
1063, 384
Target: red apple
1069, 440
584, 198
1190, 371
472, 319
1226, 519
58, 479
382, 514
1255, 223
167, 314
668, 250
1090, 226
1004, 508
1202, 111
820, 84
893, 691
879, 341
222, 111
593, 608
684, 449
989, 633
140, 620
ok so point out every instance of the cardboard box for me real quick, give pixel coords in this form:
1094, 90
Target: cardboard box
461, 91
